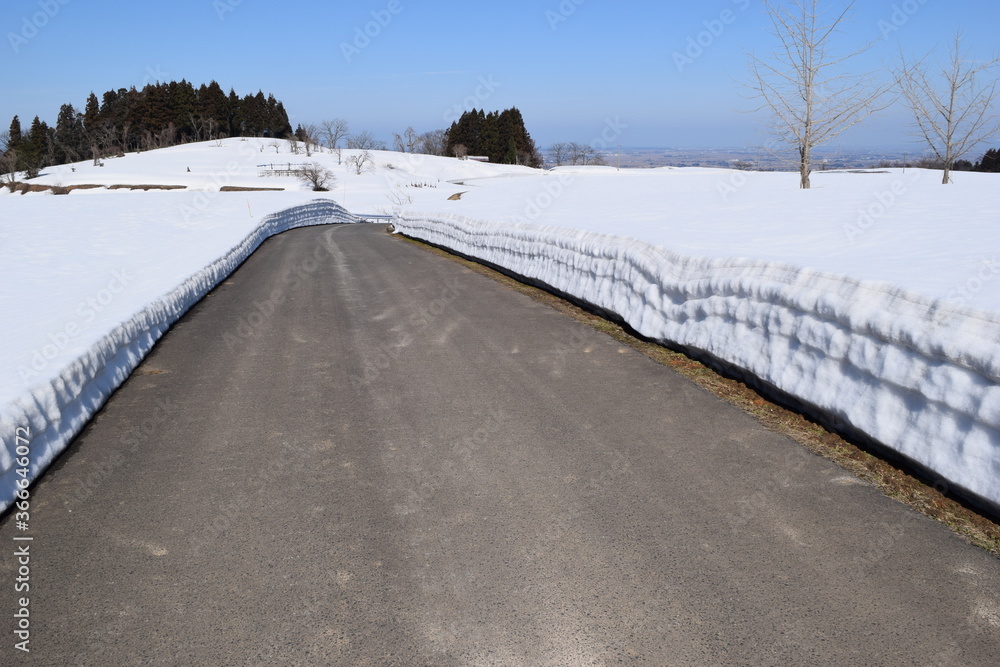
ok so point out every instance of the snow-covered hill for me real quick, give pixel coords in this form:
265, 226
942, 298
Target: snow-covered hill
245, 163
903, 228
873, 296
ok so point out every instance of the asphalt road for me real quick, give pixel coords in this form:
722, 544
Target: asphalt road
356, 452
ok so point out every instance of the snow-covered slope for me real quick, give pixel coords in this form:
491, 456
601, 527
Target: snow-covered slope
903, 228
388, 179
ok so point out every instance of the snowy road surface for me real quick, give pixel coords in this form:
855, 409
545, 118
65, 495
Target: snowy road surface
357, 452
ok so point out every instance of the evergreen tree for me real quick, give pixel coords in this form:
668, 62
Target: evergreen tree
465, 132
512, 123
159, 115
512, 155
156, 109
237, 121
990, 163
70, 141
280, 124
183, 106
11, 157
33, 147
109, 105
92, 113
114, 116
501, 137
14, 140
254, 109
130, 128
213, 107
490, 142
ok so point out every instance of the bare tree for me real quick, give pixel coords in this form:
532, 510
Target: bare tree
595, 158
460, 151
365, 141
803, 84
434, 142
408, 142
311, 138
213, 128
360, 161
397, 143
204, 128
8, 167
952, 110
318, 176
147, 141
399, 198
4, 141
51, 147
123, 146
332, 131
560, 152
168, 136
583, 154
412, 140
102, 140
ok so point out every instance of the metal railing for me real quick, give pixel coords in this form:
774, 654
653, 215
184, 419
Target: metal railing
373, 217
282, 169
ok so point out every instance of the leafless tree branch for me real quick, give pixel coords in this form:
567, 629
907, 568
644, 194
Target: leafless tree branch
953, 109
318, 176
803, 85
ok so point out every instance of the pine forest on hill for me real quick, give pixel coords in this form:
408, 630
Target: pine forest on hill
158, 116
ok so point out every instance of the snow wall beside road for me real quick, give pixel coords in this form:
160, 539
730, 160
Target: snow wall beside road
917, 375
52, 413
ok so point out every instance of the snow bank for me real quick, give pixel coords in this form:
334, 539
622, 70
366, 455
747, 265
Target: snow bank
918, 375
57, 409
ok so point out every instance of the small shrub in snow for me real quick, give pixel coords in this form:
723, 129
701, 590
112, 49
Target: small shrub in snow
318, 176
360, 161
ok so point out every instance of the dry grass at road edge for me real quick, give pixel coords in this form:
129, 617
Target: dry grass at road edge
894, 481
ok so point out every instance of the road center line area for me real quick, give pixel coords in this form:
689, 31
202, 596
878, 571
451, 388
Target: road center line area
356, 452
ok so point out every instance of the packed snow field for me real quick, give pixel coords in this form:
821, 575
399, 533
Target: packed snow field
871, 297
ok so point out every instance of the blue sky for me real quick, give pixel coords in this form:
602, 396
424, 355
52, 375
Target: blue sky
575, 68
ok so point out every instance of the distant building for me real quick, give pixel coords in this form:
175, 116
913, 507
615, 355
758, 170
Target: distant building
476, 158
